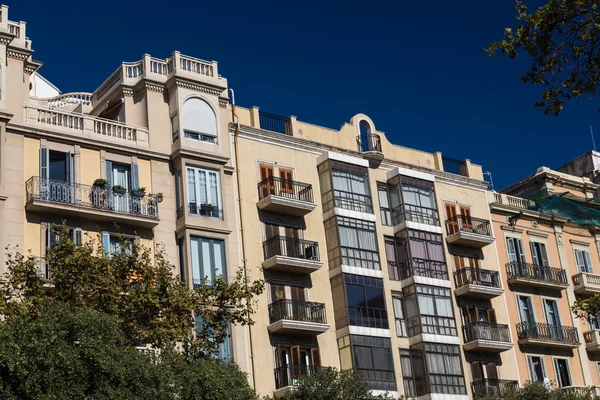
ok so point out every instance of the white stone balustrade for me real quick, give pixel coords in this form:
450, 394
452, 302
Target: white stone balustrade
85, 125
512, 201
159, 71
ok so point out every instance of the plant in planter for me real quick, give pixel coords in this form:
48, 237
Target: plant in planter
158, 196
206, 209
139, 192
119, 189
100, 183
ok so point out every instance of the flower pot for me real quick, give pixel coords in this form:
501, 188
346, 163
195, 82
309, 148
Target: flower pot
138, 193
207, 208
119, 191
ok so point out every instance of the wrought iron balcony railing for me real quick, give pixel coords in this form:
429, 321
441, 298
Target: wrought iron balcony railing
305, 311
368, 142
486, 331
287, 375
291, 247
285, 188
521, 269
275, 123
476, 276
468, 224
556, 333
493, 387
90, 197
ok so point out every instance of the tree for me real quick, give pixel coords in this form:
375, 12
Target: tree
562, 38
587, 309
331, 384
149, 302
77, 353
537, 391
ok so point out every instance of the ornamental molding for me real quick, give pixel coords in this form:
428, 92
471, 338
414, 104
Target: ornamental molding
19, 55
127, 91
199, 87
223, 103
153, 87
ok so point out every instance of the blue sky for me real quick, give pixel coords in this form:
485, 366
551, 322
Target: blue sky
418, 71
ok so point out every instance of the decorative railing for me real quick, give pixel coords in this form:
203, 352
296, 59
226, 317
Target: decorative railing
521, 269
69, 100
493, 387
556, 333
79, 124
90, 197
275, 123
586, 279
205, 210
368, 142
435, 325
285, 188
421, 215
441, 384
14, 29
305, 311
466, 223
378, 379
512, 201
476, 276
425, 268
368, 317
148, 66
291, 247
455, 166
352, 201
486, 331
287, 375
592, 337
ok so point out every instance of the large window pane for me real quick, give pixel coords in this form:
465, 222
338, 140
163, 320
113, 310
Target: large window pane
204, 196
375, 297
208, 260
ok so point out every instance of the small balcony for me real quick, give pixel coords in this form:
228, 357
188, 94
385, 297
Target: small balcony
284, 196
468, 231
486, 337
477, 282
297, 317
286, 377
547, 335
586, 284
592, 340
496, 388
522, 273
369, 145
90, 202
290, 254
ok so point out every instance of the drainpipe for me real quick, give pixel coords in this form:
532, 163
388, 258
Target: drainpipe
239, 200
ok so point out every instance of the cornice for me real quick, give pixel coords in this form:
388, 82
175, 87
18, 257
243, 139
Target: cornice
127, 91
30, 66
6, 38
199, 156
177, 82
316, 148
5, 116
18, 54
530, 215
223, 101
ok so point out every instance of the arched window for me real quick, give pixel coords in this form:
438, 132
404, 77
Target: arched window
199, 121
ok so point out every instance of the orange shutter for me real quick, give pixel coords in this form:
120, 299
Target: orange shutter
491, 316
295, 351
287, 180
466, 217
459, 262
315, 355
452, 221
265, 172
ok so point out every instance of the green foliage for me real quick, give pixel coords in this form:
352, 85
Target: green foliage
74, 353
331, 384
561, 38
537, 391
100, 182
587, 308
150, 304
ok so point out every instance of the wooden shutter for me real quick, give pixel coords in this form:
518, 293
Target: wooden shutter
295, 352
466, 217
44, 161
477, 370
491, 316
473, 262
297, 293
315, 355
266, 171
135, 177
452, 221
491, 371
459, 262
287, 180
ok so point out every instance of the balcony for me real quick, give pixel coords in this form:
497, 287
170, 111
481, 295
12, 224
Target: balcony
275, 123
546, 335
285, 196
85, 126
286, 376
477, 282
468, 231
352, 201
425, 268
297, 317
415, 214
522, 273
455, 166
586, 284
290, 254
495, 388
90, 202
592, 340
369, 145
486, 337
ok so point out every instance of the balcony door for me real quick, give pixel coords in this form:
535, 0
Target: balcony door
537, 370
516, 256
452, 218
287, 182
293, 301
294, 361
288, 243
540, 259
56, 176
555, 331
527, 316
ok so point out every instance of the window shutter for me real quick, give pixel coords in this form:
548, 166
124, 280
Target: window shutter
315, 355
510, 249
77, 236
588, 261
106, 243
520, 250
295, 351
70, 172
543, 254
534, 254
135, 178
492, 371
109, 174
452, 222
491, 316
177, 194
44, 160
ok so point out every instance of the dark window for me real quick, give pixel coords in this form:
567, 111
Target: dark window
358, 243
366, 304
436, 368
416, 253
429, 310
58, 166
413, 200
384, 204
373, 361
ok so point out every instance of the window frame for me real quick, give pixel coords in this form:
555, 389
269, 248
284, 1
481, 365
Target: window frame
385, 213
557, 374
418, 323
355, 254
197, 190
399, 321
584, 252
202, 279
189, 133
355, 313
530, 367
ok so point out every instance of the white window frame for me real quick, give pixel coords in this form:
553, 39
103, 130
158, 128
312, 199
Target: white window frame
517, 295
554, 360
541, 357
207, 171
585, 251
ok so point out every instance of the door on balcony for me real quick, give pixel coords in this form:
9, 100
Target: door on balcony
466, 221
56, 176
563, 377
292, 301
540, 259
555, 330
583, 261
537, 370
268, 188
294, 361
516, 256
287, 182
451, 218
283, 241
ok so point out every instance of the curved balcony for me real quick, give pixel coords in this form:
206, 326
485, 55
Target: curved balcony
486, 337
592, 340
523, 273
289, 254
285, 196
297, 317
464, 230
586, 284
477, 282
547, 335
369, 145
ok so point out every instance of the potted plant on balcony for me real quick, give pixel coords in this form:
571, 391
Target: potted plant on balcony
206, 208
118, 189
100, 183
98, 193
139, 192
158, 196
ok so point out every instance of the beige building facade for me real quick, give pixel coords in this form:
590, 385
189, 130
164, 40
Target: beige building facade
395, 262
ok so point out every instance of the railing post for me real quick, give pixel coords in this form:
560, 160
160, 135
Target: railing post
293, 125
255, 117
